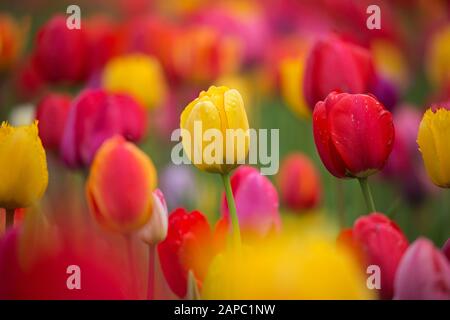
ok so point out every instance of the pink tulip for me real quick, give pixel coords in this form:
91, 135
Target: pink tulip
423, 273
256, 202
95, 116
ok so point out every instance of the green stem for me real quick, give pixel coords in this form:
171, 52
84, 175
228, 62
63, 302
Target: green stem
367, 194
232, 209
9, 218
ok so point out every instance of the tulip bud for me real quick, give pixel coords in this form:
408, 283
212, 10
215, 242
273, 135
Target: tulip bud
432, 139
354, 134
24, 176
119, 186
155, 230
60, 53
188, 246
299, 182
96, 116
256, 203
219, 109
138, 75
423, 273
336, 65
51, 113
383, 244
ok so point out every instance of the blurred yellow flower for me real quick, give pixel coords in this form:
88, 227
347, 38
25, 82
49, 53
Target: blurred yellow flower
138, 75
390, 61
23, 174
291, 83
434, 144
222, 109
289, 267
438, 58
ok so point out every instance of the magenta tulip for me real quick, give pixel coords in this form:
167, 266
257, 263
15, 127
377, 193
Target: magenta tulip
95, 116
423, 273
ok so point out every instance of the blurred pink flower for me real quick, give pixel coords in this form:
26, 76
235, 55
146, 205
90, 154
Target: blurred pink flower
423, 273
256, 202
95, 116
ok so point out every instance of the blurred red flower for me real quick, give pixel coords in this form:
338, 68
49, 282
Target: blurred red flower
188, 246
336, 65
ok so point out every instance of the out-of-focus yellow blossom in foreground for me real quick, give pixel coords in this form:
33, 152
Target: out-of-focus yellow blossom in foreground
438, 59
434, 144
390, 61
138, 75
291, 83
219, 108
24, 175
309, 266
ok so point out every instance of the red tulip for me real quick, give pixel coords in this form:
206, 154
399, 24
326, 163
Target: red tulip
336, 65
383, 244
423, 273
354, 134
120, 184
188, 246
299, 182
61, 53
256, 202
45, 274
102, 42
52, 112
95, 116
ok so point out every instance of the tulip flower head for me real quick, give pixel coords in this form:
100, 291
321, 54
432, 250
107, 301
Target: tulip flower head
188, 247
155, 230
423, 273
433, 141
95, 116
256, 202
299, 182
354, 134
336, 65
60, 53
119, 186
221, 111
24, 175
138, 75
383, 244
51, 113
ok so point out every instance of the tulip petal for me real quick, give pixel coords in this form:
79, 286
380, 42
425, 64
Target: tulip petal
362, 132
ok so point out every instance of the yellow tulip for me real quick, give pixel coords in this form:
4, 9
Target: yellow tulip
138, 75
23, 173
220, 114
434, 144
438, 58
291, 83
289, 267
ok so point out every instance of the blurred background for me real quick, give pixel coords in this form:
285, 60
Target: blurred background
260, 48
